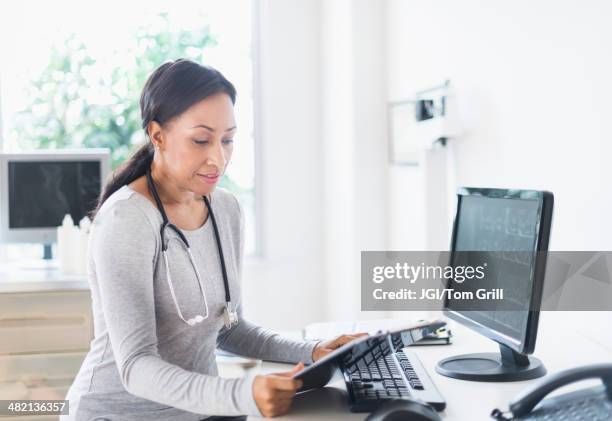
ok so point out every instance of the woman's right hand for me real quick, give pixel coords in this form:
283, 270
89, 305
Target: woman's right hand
274, 393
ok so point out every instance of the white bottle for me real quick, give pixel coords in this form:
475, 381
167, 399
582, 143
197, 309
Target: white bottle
66, 239
83, 244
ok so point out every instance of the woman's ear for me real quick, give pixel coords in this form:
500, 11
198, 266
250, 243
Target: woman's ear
155, 134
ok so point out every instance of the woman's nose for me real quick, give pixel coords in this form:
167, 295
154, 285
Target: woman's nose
217, 156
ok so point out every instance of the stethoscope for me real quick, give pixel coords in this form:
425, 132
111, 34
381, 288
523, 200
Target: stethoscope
230, 315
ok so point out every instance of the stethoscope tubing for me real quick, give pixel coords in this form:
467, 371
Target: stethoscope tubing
231, 317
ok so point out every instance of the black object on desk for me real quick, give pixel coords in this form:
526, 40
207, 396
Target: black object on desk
593, 403
506, 230
439, 336
377, 369
320, 373
386, 372
402, 410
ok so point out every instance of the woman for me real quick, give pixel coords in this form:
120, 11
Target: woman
161, 308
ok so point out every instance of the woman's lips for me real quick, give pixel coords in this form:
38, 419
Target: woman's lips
209, 178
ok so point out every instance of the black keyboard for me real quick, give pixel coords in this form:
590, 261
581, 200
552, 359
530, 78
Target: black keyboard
385, 371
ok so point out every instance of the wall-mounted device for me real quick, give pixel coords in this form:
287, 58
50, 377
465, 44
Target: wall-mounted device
426, 121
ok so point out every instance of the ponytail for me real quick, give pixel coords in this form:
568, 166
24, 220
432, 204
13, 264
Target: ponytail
133, 168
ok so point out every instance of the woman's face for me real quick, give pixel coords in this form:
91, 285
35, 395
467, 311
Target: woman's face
197, 145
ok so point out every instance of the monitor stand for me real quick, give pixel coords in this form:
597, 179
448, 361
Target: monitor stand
48, 252
507, 366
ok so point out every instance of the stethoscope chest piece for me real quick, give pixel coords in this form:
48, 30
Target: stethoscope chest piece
230, 315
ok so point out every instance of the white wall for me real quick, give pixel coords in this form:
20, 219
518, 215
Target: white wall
532, 79
321, 113
353, 150
283, 289
533, 83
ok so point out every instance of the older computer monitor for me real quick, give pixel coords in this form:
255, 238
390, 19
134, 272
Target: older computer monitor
38, 188
509, 230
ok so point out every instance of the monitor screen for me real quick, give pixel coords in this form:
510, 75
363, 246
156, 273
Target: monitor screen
490, 225
42, 192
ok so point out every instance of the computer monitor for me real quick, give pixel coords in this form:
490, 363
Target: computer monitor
38, 188
508, 229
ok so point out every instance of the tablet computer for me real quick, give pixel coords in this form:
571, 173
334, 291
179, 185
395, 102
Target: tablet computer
318, 374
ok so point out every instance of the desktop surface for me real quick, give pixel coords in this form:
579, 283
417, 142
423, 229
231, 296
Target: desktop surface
466, 400
38, 276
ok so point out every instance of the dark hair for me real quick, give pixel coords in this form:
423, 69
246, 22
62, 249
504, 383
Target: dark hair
170, 90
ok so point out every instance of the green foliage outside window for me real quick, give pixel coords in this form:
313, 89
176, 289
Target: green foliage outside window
78, 101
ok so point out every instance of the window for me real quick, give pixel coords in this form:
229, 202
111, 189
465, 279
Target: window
71, 74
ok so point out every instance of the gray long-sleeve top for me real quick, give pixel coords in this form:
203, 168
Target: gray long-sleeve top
144, 361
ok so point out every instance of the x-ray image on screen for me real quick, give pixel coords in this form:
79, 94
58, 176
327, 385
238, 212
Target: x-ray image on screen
42, 192
502, 232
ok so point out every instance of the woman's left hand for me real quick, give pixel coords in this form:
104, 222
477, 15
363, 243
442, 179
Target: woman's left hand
325, 347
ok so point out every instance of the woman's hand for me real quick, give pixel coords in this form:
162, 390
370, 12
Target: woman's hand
274, 393
325, 347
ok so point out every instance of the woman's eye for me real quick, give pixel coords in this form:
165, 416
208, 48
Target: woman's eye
228, 141
200, 142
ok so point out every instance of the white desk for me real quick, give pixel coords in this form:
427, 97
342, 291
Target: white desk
559, 349
24, 289
45, 330
38, 276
